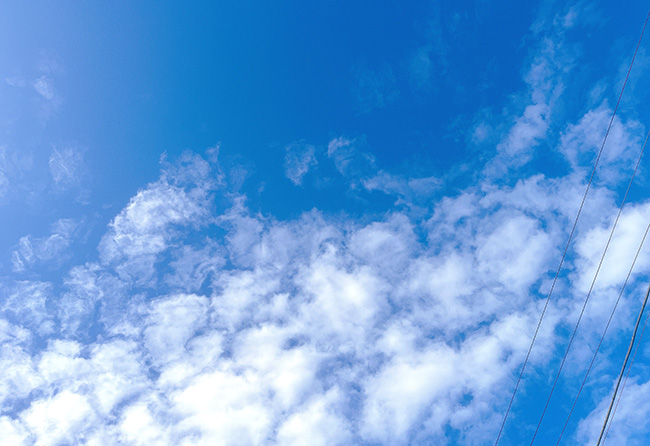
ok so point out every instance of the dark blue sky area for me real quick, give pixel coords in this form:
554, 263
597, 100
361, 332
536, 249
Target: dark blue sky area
410, 80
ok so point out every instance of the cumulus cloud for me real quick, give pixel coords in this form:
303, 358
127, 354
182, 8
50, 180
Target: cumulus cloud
311, 330
200, 324
316, 330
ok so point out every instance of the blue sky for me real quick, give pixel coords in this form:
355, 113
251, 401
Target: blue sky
284, 224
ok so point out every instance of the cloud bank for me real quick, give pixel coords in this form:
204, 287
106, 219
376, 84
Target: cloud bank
199, 320
205, 325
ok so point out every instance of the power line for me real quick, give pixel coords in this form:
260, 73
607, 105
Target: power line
627, 375
611, 316
627, 191
575, 328
627, 356
602, 257
566, 248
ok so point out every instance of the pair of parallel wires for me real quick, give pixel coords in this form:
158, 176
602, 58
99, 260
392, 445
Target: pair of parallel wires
611, 411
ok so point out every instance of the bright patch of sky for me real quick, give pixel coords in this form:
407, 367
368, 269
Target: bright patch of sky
290, 223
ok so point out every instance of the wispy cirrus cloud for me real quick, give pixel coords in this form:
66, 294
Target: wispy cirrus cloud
545, 78
43, 86
69, 171
31, 250
349, 159
4, 181
298, 160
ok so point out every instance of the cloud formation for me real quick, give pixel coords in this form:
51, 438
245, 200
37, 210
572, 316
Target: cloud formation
298, 159
200, 320
315, 330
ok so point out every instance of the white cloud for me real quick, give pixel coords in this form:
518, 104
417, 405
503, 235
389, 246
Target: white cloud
62, 419
298, 159
409, 190
171, 323
67, 168
15, 81
43, 85
581, 142
241, 294
12, 432
630, 422
193, 266
387, 246
49, 99
319, 329
527, 131
224, 408
545, 78
51, 249
317, 423
116, 371
25, 304
85, 287
626, 239
399, 396
4, 181
206, 326
343, 306
288, 371
527, 245
139, 427
145, 227
18, 376
349, 160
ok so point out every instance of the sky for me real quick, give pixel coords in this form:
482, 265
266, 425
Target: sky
320, 223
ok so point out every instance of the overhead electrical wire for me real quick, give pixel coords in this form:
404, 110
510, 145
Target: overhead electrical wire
627, 357
584, 306
602, 337
627, 191
600, 263
566, 248
627, 375
593, 359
